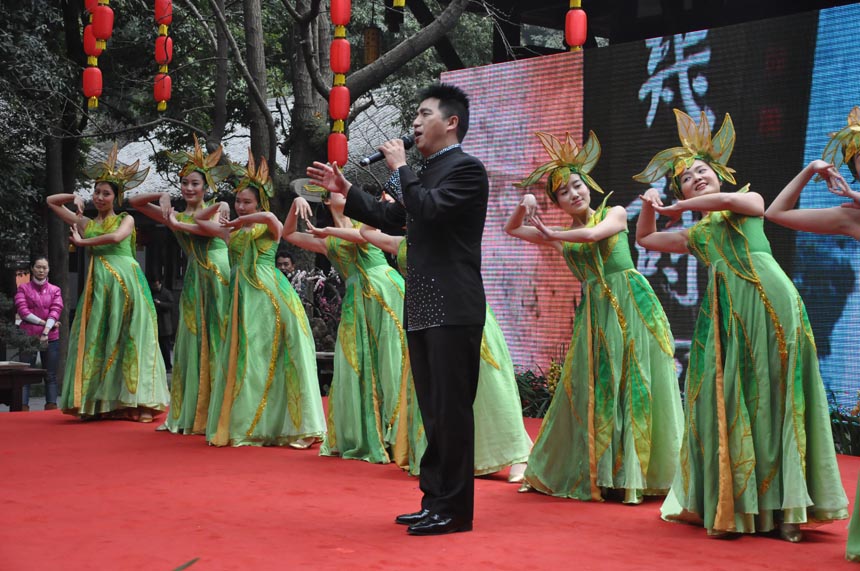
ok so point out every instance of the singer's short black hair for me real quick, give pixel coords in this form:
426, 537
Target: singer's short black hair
452, 101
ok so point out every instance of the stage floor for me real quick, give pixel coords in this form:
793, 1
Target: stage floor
117, 495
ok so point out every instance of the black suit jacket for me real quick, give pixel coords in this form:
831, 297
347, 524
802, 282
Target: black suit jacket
444, 212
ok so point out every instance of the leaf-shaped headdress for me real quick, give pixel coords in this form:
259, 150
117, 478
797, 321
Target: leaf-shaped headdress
696, 143
566, 158
257, 177
125, 177
198, 161
845, 144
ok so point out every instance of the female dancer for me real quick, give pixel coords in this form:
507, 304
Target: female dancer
265, 391
844, 219
757, 451
370, 360
204, 300
614, 425
114, 367
501, 439
40, 303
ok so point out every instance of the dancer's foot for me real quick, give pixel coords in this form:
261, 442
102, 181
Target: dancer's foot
517, 473
790, 532
303, 443
50, 406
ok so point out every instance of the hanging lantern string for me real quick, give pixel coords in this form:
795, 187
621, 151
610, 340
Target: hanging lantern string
339, 97
163, 53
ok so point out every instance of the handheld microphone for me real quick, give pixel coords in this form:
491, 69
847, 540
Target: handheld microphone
408, 141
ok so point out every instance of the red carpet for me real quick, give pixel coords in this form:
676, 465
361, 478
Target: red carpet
116, 495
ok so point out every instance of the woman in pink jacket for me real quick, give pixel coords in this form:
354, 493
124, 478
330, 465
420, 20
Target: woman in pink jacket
39, 304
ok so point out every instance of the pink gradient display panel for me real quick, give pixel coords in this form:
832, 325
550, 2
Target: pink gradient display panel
530, 289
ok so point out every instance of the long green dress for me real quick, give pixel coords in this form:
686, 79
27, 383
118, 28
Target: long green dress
757, 447
266, 391
616, 419
113, 360
200, 333
852, 550
370, 362
501, 439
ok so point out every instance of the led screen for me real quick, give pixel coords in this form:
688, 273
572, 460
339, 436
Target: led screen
786, 82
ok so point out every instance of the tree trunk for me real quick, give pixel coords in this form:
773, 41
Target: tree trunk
256, 62
222, 68
309, 124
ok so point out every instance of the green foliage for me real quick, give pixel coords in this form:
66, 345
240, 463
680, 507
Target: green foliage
10, 335
534, 393
846, 433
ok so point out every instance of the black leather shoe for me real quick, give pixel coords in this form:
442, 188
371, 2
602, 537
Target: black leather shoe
436, 524
409, 519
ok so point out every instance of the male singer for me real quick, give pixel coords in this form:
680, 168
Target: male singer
444, 208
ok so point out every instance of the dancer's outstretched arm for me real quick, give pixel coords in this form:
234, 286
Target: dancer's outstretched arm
834, 220
615, 222
516, 227
209, 226
647, 235
301, 209
56, 203
383, 241
267, 218
124, 231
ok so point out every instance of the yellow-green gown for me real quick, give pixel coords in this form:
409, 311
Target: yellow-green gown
615, 420
201, 328
757, 447
501, 439
266, 391
113, 360
370, 362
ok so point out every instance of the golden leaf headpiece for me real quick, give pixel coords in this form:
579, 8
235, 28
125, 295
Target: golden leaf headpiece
696, 143
258, 177
566, 157
206, 165
125, 177
844, 145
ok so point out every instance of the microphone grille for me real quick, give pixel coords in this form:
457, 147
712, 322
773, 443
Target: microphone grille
408, 141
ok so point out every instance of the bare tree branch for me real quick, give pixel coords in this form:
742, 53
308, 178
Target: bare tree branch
259, 99
372, 75
202, 21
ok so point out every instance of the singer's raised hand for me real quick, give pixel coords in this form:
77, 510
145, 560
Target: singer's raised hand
395, 153
328, 176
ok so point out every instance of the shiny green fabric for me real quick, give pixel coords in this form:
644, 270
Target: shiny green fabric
370, 361
500, 435
113, 360
757, 446
619, 372
266, 391
200, 331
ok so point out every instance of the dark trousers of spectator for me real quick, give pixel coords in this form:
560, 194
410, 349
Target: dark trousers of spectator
50, 360
445, 363
165, 343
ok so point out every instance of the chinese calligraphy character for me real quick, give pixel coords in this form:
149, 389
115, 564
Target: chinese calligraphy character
690, 82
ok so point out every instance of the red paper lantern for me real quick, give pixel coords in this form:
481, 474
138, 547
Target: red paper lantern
575, 28
340, 55
102, 24
90, 5
338, 149
338, 102
163, 12
163, 50
91, 47
161, 90
340, 12
92, 86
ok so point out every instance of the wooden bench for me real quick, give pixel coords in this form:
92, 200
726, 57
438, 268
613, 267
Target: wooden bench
12, 381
